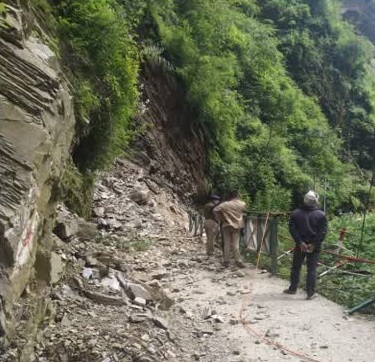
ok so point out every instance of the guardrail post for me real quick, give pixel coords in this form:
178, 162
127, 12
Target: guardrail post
258, 233
201, 219
273, 245
196, 218
190, 224
243, 233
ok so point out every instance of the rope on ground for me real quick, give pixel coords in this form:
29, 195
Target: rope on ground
271, 342
246, 324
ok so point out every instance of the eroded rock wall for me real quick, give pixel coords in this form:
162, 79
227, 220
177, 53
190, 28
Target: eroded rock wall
172, 147
36, 130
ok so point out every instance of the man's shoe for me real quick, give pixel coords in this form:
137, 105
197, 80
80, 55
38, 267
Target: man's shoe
288, 291
311, 296
240, 264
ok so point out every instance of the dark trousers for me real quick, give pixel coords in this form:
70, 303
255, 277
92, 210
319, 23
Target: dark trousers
312, 263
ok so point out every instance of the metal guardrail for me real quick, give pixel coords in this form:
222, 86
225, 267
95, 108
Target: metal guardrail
258, 235
195, 224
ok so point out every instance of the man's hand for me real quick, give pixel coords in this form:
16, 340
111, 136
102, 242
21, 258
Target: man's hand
303, 247
310, 248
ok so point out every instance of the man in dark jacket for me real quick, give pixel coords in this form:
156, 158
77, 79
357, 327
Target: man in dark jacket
308, 227
211, 226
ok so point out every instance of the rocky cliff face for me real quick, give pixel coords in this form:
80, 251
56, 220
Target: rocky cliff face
172, 148
36, 130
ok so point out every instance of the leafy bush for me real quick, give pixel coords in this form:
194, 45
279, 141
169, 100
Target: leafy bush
100, 50
77, 190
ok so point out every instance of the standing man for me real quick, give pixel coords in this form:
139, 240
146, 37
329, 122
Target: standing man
211, 226
230, 214
308, 227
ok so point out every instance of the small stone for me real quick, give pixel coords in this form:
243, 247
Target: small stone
172, 354
151, 350
183, 263
118, 345
233, 321
87, 273
91, 261
207, 312
140, 301
103, 298
110, 282
144, 359
272, 334
145, 337
135, 290
231, 293
160, 274
138, 318
161, 323
99, 211
221, 301
240, 274
65, 321
140, 197
217, 318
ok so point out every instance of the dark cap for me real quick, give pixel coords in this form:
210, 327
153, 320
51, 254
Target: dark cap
214, 197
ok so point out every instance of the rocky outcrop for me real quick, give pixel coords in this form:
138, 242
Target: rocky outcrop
172, 146
36, 130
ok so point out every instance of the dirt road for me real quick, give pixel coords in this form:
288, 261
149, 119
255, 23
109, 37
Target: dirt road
277, 326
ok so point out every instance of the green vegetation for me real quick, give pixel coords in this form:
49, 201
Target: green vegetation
135, 242
99, 48
77, 190
3, 8
348, 289
283, 89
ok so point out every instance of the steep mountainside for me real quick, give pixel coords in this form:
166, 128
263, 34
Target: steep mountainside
172, 145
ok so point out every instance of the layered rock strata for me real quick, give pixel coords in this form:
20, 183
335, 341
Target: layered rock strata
36, 130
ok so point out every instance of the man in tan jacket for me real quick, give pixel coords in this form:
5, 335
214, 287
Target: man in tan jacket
230, 214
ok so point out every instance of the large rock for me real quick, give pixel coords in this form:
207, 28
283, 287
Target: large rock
137, 291
36, 130
49, 267
141, 197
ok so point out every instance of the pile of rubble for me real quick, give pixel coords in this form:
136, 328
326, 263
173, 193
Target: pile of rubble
108, 304
103, 313
128, 202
